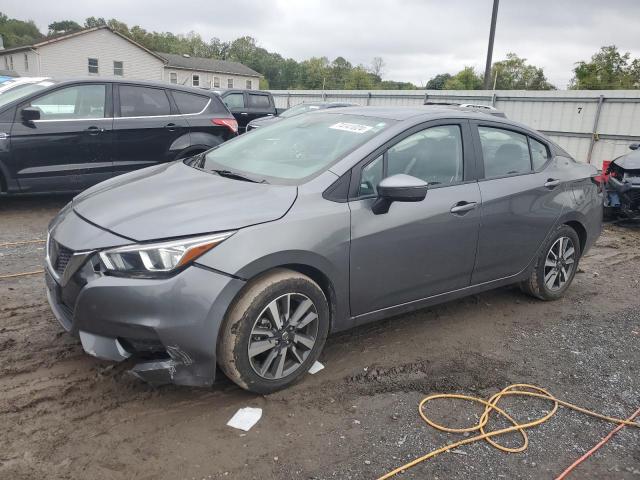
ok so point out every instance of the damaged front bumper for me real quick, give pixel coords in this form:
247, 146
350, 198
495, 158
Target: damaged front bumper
168, 326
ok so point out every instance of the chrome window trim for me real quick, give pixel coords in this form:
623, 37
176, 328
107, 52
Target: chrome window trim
122, 118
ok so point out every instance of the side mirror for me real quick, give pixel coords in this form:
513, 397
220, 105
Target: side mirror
634, 146
29, 114
398, 188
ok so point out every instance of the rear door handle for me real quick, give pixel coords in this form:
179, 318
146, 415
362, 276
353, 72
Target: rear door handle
244, 113
552, 183
463, 207
94, 130
171, 126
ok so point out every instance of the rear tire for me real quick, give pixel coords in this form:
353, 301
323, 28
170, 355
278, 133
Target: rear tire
274, 331
555, 267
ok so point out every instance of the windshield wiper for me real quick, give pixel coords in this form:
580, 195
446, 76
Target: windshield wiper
237, 176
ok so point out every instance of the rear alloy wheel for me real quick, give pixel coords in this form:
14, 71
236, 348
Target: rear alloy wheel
556, 266
274, 331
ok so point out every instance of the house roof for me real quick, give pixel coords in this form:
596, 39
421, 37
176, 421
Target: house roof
207, 64
64, 36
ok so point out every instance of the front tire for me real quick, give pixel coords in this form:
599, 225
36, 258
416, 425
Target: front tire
274, 331
555, 267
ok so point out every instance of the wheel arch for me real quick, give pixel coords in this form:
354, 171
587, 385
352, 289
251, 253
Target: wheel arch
580, 230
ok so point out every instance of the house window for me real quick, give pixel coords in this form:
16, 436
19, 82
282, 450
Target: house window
173, 77
216, 82
10, 62
230, 83
248, 84
26, 62
93, 65
195, 80
118, 68
6, 63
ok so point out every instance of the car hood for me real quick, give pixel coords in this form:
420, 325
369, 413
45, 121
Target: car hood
174, 200
264, 121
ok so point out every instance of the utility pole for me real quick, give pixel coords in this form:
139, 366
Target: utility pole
492, 34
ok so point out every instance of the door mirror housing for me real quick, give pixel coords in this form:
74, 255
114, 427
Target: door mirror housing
29, 114
398, 188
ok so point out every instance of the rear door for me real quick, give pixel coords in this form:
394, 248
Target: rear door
236, 103
69, 148
146, 126
521, 199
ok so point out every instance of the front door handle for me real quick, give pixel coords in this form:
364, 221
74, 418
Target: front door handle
171, 126
95, 130
551, 183
463, 207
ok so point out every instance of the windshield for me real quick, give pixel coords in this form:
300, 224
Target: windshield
295, 148
298, 109
22, 89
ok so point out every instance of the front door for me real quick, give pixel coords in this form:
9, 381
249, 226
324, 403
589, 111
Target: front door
146, 127
420, 249
522, 198
69, 148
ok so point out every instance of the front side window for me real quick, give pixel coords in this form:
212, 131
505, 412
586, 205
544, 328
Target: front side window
504, 152
234, 100
118, 68
173, 77
258, 101
195, 80
371, 176
433, 155
216, 82
230, 83
77, 102
248, 84
143, 101
93, 65
539, 153
295, 148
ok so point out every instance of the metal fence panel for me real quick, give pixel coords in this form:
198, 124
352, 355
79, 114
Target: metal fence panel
592, 125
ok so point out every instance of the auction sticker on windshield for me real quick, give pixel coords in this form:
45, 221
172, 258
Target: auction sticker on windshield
351, 127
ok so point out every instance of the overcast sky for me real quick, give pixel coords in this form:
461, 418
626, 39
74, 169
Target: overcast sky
416, 38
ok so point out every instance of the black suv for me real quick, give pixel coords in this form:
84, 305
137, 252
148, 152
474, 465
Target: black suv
247, 105
65, 136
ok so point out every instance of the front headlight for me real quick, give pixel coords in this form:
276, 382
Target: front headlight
160, 258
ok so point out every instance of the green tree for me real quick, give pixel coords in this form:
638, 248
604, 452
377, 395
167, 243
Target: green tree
63, 26
513, 73
359, 79
465, 79
92, 22
340, 69
608, 69
438, 82
16, 33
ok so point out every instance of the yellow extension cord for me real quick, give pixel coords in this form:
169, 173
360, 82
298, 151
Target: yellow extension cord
491, 405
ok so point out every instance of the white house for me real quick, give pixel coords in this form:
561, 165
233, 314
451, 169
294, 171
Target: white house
104, 52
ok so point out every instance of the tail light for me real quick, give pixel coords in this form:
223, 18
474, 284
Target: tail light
230, 123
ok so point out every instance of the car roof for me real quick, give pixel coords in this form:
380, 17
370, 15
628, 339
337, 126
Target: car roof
131, 81
421, 113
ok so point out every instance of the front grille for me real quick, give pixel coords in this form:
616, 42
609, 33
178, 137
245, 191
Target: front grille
59, 256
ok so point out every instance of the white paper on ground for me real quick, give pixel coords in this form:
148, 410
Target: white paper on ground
245, 418
316, 367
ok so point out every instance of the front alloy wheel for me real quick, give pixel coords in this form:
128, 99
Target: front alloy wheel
283, 336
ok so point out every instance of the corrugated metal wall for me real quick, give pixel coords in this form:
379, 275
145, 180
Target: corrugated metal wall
592, 125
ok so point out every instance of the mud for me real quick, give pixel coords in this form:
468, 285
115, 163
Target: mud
66, 415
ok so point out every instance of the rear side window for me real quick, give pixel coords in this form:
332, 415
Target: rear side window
539, 153
190, 103
143, 101
234, 100
504, 152
258, 101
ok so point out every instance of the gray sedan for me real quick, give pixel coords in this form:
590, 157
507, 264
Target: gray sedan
248, 255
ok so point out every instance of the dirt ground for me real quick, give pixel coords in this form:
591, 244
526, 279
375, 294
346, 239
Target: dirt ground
64, 414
